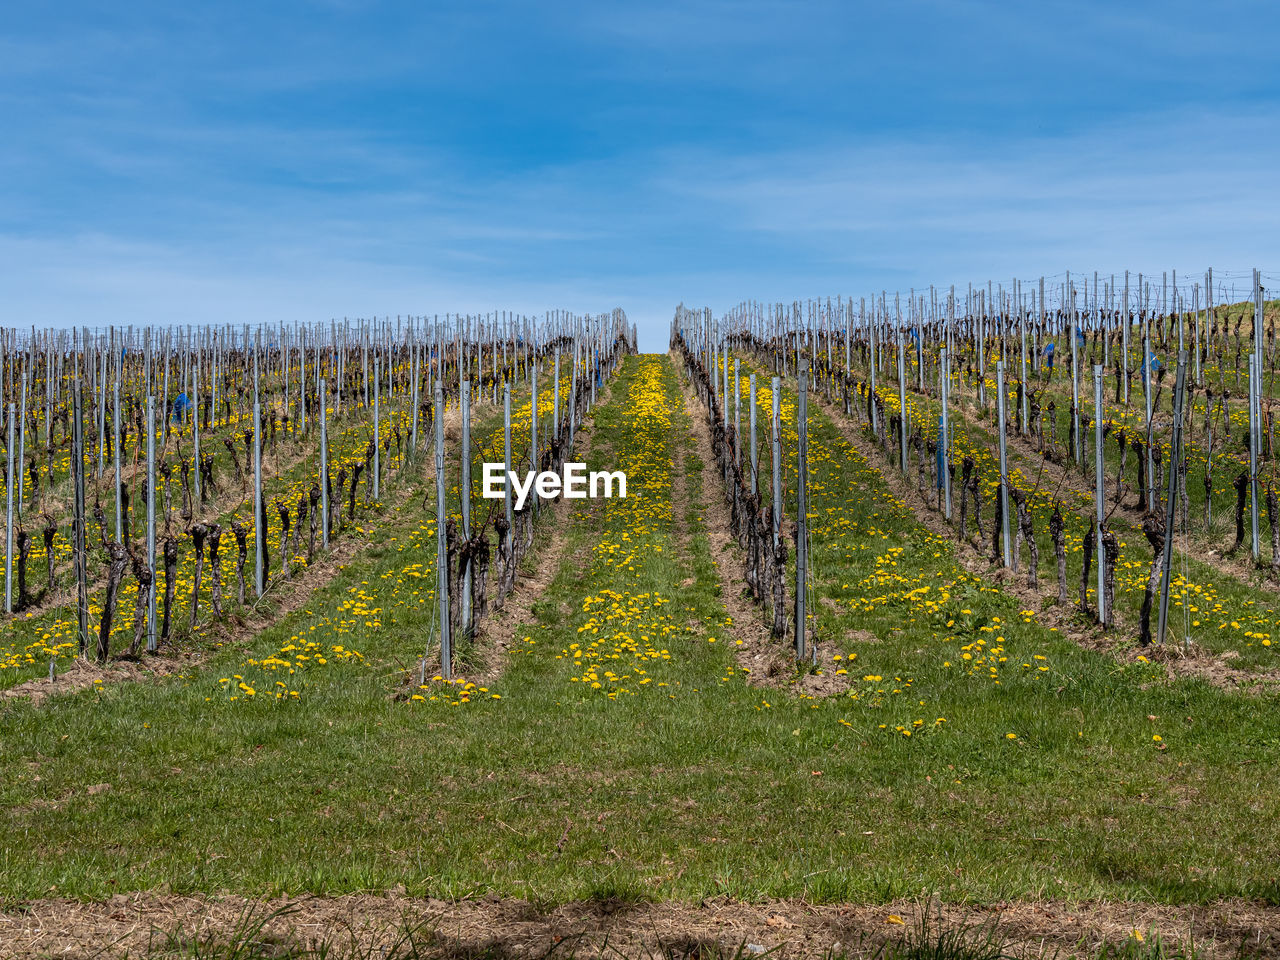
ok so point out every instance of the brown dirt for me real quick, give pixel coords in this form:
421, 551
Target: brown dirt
1197, 663
770, 661
501, 928
82, 673
452, 420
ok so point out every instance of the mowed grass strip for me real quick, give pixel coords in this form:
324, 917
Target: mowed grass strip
689, 785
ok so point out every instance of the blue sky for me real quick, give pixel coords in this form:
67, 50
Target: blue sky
187, 163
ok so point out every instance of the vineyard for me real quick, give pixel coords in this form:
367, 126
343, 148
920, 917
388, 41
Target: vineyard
926, 621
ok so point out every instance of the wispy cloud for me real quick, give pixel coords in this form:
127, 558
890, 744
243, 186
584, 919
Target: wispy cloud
1154, 194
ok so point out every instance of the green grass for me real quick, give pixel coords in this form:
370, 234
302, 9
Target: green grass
695, 784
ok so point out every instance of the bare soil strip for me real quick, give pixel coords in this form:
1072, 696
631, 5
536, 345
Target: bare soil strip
514, 928
498, 630
770, 662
